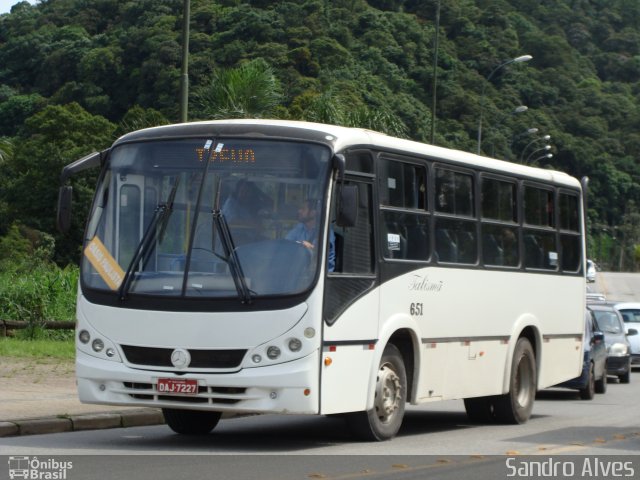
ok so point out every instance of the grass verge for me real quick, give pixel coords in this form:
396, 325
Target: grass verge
12, 347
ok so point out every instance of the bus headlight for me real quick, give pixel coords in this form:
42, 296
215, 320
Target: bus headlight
97, 345
618, 350
295, 345
273, 352
84, 336
93, 343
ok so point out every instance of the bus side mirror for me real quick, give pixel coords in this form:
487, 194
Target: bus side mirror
632, 332
63, 219
347, 207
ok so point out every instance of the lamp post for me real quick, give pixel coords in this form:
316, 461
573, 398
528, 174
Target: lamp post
515, 111
544, 138
515, 138
184, 77
522, 58
546, 148
535, 160
435, 76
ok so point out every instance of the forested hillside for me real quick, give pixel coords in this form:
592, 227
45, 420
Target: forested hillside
75, 74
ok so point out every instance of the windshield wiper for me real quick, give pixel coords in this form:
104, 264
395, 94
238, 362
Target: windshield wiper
156, 229
231, 257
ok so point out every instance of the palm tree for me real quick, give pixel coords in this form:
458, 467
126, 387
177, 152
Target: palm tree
6, 150
332, 108
248, 91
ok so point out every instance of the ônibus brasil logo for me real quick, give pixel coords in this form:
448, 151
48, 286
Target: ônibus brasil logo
35, 469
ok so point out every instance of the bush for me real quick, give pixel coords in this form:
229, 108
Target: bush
33, 289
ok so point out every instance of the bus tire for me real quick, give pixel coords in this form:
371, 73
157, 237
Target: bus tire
191, 422
515, 406
480, 409
383, 421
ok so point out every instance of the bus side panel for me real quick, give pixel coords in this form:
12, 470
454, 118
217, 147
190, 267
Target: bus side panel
346, 371
469, 322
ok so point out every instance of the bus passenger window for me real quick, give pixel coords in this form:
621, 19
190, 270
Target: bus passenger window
570, 232
454, 193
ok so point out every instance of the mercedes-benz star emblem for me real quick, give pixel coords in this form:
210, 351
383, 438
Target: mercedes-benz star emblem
180, 358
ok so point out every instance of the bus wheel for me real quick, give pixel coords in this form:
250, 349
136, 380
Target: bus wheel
516, 405
190, 422
383, 421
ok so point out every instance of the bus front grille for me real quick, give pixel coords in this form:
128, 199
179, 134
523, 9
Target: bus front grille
161, 357
205, 395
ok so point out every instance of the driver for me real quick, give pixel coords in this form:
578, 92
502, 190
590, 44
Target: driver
306, 231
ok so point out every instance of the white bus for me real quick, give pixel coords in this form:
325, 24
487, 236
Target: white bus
254, 266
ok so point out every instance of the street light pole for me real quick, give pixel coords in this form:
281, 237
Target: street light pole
545, 138
503, 119
184, 78
435, 76
546, 148
535, 160
522, 58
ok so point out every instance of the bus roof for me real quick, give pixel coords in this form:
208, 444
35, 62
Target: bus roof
342, 138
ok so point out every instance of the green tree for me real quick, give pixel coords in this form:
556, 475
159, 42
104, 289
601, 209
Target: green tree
248, 91
56, 136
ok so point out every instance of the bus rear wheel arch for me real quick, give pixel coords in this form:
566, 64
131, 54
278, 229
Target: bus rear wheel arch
516, 405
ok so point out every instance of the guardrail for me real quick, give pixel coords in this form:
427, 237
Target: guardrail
6, 325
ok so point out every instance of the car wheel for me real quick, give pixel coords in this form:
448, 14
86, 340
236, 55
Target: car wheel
190, 422
516, 405
588, 392
626, 376
383, 421
601, 384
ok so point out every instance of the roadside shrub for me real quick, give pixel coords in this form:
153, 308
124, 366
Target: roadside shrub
33, 289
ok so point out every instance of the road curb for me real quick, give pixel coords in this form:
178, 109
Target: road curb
94, 421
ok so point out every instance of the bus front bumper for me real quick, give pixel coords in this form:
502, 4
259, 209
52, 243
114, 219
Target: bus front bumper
291, 387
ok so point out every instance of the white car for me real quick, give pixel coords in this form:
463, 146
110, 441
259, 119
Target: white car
591, 271
631, 315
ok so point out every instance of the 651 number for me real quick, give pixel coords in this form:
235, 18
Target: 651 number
416, 309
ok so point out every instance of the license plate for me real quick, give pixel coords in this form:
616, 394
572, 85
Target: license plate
177, 386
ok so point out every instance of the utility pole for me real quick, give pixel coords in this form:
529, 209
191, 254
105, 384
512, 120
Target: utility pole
184, 78
435, 75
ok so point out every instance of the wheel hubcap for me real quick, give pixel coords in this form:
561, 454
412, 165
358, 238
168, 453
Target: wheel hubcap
388, 393
523, 382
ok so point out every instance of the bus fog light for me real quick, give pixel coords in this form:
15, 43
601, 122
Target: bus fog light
256, 359
273, 395
273, 352
84, 336
309, 332
295, 345
97, 345
110, 352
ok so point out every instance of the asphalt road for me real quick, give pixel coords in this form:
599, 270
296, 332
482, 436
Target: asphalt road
623, 287
434, 439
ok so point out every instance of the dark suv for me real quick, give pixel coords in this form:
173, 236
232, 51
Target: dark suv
594, 367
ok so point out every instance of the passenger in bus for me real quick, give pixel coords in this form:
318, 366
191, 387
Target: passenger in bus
306, 231
240, 206
244, 209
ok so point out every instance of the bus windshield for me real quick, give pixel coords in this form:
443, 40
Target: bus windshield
203, 217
